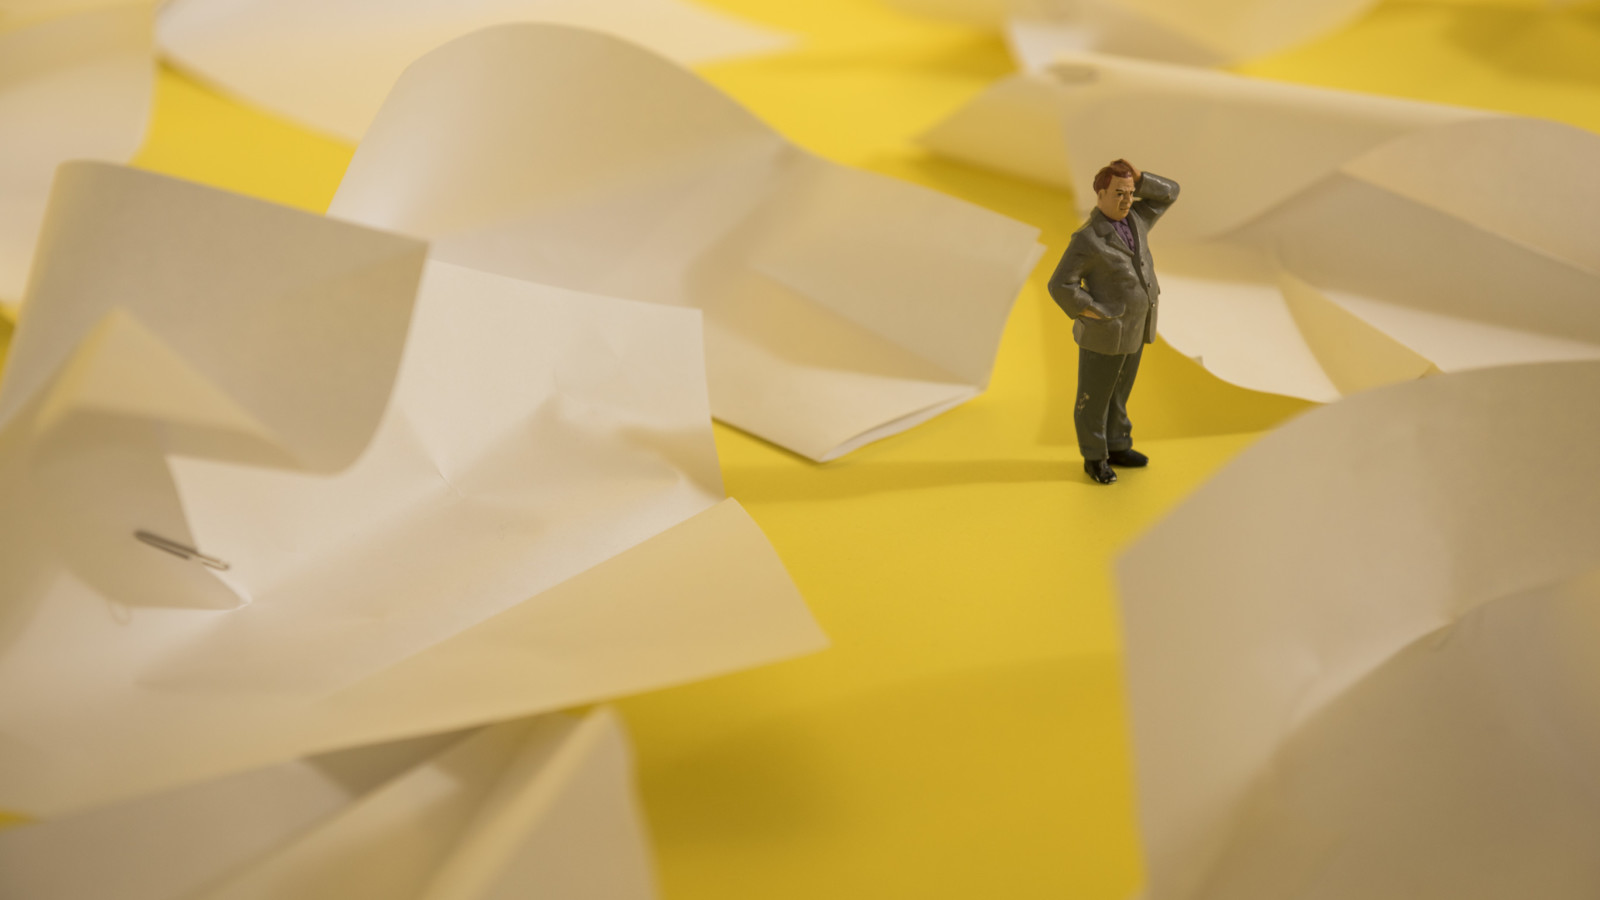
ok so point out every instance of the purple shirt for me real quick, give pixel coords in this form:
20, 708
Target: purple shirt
1126, 230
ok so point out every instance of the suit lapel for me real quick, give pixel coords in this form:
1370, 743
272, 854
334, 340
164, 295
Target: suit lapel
1106, 230
1141, 230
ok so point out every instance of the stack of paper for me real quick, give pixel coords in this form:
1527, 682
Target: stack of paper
1361, 658
76, 80
251, 514
840, 306
531, 808
329, 63
1325, 242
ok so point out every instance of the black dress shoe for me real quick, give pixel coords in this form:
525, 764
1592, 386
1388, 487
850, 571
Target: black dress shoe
1099, 470
1130, 459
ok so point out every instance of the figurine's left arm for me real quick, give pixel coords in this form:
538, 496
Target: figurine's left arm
1154, 195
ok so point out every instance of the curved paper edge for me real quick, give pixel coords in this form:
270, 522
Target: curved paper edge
264, 53
1239, 146
706, 597
1344, 536
836, 301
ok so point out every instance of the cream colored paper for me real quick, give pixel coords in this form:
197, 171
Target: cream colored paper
329, 63
1325, 242
77, 84
1361, 658
174, 843
541, 807
532, 521
168, 318
1196, 32
840, 306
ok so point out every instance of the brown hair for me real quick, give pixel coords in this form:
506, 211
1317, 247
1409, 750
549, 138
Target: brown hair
1118, 169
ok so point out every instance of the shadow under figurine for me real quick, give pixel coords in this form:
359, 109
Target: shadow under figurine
1106, 282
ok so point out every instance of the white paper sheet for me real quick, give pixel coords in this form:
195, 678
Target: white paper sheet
840, 306
77, 84
1195, 32
1325, 242
328, 63
532, 521
541, 807
1360, 658
164, 317
174, 843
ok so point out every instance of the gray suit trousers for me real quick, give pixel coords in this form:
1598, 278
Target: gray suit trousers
1101, 413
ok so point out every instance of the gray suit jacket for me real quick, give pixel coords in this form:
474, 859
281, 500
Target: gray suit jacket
1099, 272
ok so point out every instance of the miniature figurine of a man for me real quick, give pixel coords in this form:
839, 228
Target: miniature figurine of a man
1107, 283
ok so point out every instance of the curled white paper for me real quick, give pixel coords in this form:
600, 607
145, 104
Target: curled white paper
840, 306
1360, 658
166, 318
532, 807
328, 63
1327, 241
510, 505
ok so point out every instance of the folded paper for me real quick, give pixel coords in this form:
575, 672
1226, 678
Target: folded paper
534, 807
164, 317
502, 500
329, 63
75, 83
1328, 241
840, 306
1360, 658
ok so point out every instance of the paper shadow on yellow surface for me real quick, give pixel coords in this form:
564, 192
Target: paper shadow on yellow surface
1561, 45
1044, 206
1174, 397
6, 330
199, 134
1021, 750
928, 49
857, 479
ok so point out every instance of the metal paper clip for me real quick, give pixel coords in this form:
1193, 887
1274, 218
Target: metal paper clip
181, 550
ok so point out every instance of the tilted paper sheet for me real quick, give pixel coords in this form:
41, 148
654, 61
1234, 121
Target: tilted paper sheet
840, 306
532, 807
1360, 658
328, 63
1325, 241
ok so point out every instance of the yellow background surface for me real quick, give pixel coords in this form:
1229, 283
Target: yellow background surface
965, 735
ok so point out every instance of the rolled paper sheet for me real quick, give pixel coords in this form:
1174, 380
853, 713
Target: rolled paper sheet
327, 64
503, 499
840, 306
1361, 658
75, 83
533, 807
1326, 242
